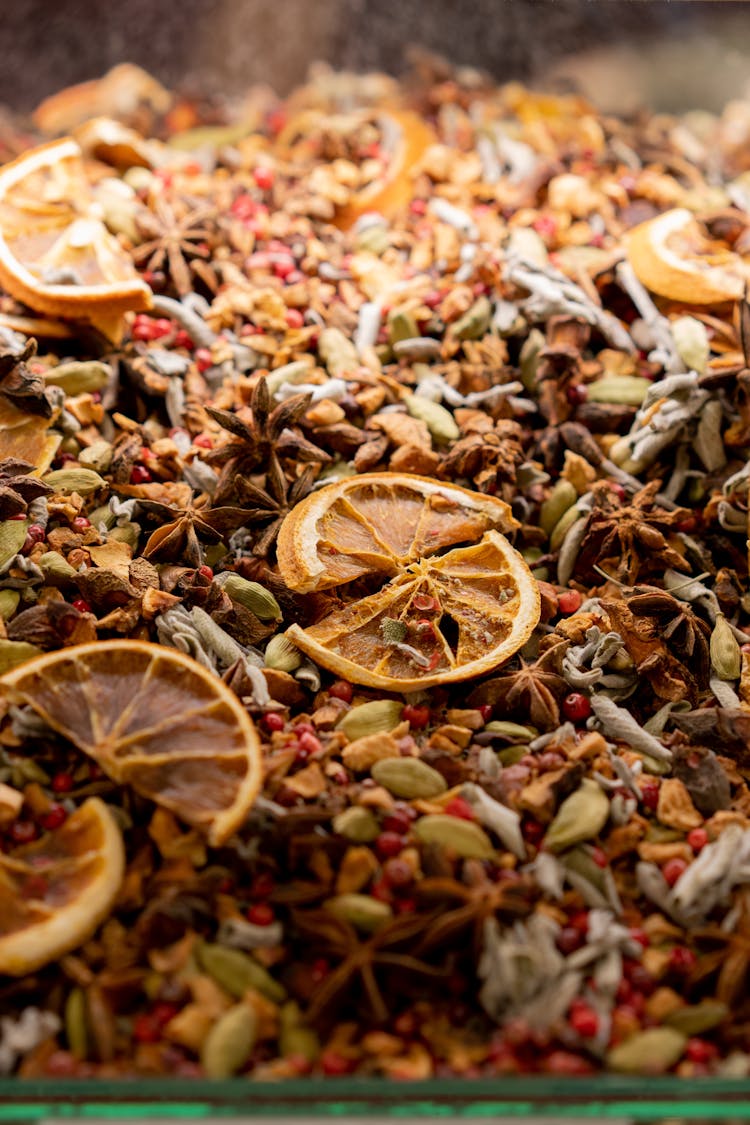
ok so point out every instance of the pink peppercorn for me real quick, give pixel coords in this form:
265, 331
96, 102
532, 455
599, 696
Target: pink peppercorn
294, 318
81, 605
340, 689
310, 743
650, 794
80, 524
697, 838
273, 722
388, 844
569, 601
673, 869
52, 819
459, 807
583, 1019
682, 960
397, 821
260, 914
416, 717
139, 474
264, 177
576, 707
62, 782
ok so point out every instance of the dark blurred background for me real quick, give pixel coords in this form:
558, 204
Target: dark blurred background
669, 53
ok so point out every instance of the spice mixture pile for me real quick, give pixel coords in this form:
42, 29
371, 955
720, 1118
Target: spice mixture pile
542, 868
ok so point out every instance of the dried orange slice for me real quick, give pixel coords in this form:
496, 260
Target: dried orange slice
118, 93
55, 891
154, 719
439, 617
56, 254
674, 258
26, 437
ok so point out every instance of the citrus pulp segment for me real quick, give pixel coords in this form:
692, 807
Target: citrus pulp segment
154, 719
55, 891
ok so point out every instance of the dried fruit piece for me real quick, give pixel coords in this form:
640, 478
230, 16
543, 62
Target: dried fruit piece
56, 254
55, 891
154, 719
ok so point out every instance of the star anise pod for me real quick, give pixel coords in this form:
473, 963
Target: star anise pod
478, 898
271, 436
630, 538
732, 958
18, 383
679, 627
531, 690
175, 234
18, 488
359, 960
487, 454
177, 537
271, 504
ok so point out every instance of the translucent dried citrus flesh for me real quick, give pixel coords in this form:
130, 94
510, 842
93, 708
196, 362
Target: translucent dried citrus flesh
55, 891
379, 523
672, 257
439, 617
154, 719
56, 254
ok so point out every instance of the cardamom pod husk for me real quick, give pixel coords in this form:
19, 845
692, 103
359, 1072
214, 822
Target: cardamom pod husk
580, 817
282, 655
235, 972
356, 824
439, 421
377, 717
562, 497
82, 481
363, 911
12, 538
251, 595
652, 1051
76, 1031
724, 649
463, 837
230, 1042
408, 778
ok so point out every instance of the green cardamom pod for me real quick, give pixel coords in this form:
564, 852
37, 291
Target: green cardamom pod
251, 595
282, 655
55, 568
374, 239
235, 972
475, 321
128, 533
377, 717
78, 377
463, 837
563, 526
76, 1031
363, 911
580, 817
695, 1019
401, 326
439, 421
691, 339
97, 456
562, 497
230, 1042
356, 824
12, 539
295, 1038
409, 778
514, 732
13, 653
104, 515
652, 1051
619, 390
82, 481
726, 658
529, 357
337, 352
9, 600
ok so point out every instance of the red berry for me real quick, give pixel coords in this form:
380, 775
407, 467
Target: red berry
35, 532
532, 831
580, 921
146, 1029
139, 474
569, 601
545, 224
81, 605
320, 969
568, 940
340, 689
700, 1050
459, 807
62, 782
164, 1012
406, 905
203, 441
388, 844
599, 856
566, 1063
616, 487
576, 707
397, 872
398, 822
273, 721
283, 267
381, 891
485, 710
697, 838
682, 959
183, 339
264, 177
650, 794
294, 318
673, 869
206, 572
203, 359
584, 1020
418, 207
23, 831
416, 717
79, 524
260, 914
576, 393
334, 1064
56, 816
641, 937
262, 885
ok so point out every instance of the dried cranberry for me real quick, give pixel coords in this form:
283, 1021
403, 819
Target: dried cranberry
319, 970
700, 1050
565, 1062
334, 1064
568, 940
146, 1029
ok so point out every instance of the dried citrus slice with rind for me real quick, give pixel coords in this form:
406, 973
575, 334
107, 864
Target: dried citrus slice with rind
380, 523
55, 891
26, 437
443, 619
56, 254
673, 258
154, 719
440, 617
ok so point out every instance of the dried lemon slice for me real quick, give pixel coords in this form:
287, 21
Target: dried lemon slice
56, 254
154, 719
55, 891
440, 617
672, 257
